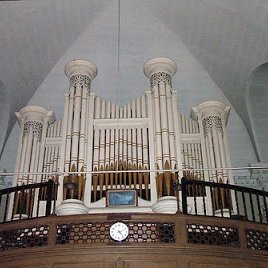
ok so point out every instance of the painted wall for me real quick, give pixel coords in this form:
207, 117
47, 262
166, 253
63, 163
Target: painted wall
141, 38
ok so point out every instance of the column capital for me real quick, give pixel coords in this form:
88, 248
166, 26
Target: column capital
82, 68
211, 108
32, 118
160, 65
35, 113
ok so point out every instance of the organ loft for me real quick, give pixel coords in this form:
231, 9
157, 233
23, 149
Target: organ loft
101, 150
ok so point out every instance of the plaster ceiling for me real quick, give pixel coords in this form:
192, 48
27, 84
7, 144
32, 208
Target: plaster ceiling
228, 38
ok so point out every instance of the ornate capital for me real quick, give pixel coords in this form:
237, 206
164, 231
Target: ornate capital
80, 79
34, 114
81, 68
156, 78
212, 122
33, 126
160, 70
211, 109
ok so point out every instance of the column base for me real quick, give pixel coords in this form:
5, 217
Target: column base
71, 207
225, 212
166, 204
20, 217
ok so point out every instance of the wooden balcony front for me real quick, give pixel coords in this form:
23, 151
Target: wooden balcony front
155, 240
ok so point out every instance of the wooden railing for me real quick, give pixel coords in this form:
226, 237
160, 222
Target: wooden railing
204, 198
224, 200
28, 201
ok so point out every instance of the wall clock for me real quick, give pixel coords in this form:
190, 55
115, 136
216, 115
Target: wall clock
119, 231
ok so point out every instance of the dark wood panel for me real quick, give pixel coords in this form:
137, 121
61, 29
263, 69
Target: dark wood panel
150, 264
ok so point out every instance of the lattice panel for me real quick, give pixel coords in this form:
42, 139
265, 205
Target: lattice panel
82, 233
212, 235
23, 238
151, 232
86, 233
256, 239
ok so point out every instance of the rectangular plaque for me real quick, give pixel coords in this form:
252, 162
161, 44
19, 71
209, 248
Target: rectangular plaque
123, 197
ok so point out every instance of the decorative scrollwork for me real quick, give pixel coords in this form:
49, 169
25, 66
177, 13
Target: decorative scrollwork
210, 122
156, 78
80, 79
34, 126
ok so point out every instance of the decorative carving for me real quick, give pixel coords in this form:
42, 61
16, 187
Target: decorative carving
212, 235
34, 126
80, 79
210, 122
257, 239
98, 232
156, 78
24, 238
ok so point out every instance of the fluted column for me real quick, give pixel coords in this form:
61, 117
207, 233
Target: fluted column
160, 72
80, 74
33, 121
213, 116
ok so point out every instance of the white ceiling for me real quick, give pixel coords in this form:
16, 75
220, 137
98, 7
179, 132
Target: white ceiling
229, 39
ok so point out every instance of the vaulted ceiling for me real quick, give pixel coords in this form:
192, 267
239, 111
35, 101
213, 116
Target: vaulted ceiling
228, 38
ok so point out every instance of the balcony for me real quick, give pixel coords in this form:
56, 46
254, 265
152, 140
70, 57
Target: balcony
216, 225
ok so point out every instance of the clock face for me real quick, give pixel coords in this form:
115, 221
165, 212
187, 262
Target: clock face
119, 231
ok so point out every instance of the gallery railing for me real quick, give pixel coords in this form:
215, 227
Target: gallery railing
195, 197
223, 200
28, 201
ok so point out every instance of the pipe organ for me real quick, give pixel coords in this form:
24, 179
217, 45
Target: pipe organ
100, 146
120, 143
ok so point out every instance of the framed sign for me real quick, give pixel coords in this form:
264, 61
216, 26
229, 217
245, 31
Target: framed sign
122, 197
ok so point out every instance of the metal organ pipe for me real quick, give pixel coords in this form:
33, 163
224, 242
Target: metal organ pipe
76, 125
134, 145
96, 146
164, 122
69, 130
82, 134
102, 149
172, 147
223, 154
216, 151
145, 145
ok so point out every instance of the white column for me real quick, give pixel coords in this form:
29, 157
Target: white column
160, 71
33, 121
80, 74
213, 116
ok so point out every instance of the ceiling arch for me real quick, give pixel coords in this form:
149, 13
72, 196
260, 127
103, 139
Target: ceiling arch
257, 100
228, 38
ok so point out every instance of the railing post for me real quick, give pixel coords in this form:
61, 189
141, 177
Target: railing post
52, 231
184, 195
49, 197
55, 193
